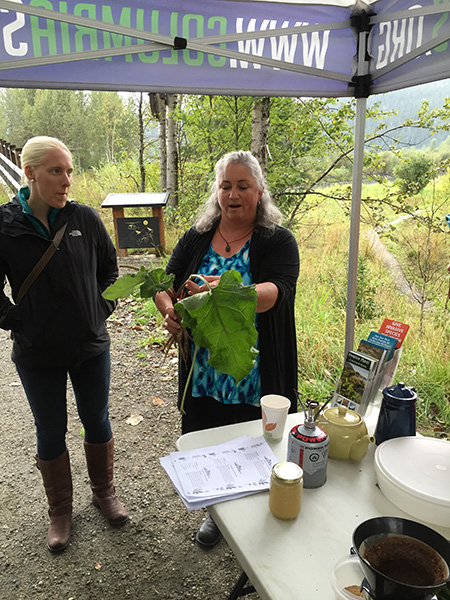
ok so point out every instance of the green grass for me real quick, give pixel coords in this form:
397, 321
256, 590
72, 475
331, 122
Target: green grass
323, 238
320, 320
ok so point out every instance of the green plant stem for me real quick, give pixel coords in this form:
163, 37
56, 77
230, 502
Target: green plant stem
197, 276
189, 377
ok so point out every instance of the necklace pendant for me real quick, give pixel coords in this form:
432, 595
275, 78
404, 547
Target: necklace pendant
227, 247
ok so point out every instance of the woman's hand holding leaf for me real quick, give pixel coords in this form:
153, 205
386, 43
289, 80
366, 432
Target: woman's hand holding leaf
211, 281
171, 321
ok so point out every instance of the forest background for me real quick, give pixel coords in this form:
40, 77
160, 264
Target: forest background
142, 142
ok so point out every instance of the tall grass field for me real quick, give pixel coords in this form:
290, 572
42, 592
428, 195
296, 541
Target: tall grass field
323, 239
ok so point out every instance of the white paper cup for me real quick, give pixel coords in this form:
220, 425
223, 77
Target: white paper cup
274, 410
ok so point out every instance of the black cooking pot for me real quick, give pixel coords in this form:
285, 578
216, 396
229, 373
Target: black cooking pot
383, 587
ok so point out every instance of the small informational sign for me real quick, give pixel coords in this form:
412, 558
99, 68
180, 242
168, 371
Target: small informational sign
395, 329
138, 232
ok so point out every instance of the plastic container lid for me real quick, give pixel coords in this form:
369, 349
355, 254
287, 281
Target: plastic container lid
400, 392
420, 466
347, 572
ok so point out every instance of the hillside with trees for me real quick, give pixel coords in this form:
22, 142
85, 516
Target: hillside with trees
137, 142
406, 103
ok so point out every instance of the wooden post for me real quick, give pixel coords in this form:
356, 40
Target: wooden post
157, 211
118, 213
17, 155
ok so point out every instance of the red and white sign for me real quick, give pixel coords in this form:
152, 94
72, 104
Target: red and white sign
394, 329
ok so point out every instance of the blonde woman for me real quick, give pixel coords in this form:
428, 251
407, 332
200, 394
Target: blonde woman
57, 321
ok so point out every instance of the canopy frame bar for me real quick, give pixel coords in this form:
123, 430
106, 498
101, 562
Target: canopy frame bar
250, 35
123, 51
166, 43
54, 15
362, 26
409, 14
23, 63
409, 56
166, 40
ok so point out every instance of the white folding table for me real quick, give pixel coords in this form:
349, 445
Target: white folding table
293, 560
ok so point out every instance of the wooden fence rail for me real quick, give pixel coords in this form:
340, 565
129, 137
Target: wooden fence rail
10, 171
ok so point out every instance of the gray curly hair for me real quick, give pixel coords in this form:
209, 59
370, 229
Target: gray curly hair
267, 214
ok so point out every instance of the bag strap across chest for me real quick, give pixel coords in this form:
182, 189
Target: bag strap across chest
39, 266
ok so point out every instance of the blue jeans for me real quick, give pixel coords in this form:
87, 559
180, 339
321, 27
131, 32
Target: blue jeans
46, 391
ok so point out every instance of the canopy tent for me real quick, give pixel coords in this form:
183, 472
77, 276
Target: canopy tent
332, 48
253, 47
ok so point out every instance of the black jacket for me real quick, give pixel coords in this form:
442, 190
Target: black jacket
61, 319
273, 257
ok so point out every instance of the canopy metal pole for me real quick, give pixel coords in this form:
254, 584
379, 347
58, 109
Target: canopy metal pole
361, 24
358, 159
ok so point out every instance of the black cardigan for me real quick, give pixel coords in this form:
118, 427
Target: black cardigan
273, 257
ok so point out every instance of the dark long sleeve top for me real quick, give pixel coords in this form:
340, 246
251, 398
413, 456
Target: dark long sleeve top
274, 257
61, 319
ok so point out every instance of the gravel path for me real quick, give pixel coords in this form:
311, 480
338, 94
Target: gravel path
154, 556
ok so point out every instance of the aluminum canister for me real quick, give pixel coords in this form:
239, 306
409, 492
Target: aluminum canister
308, 448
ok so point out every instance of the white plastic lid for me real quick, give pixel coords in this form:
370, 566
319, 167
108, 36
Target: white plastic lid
417, 465
347, 572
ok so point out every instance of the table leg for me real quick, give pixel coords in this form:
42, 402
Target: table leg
240, 589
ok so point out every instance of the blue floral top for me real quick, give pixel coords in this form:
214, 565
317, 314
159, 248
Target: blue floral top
206, 380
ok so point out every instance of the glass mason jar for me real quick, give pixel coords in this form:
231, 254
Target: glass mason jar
286, 485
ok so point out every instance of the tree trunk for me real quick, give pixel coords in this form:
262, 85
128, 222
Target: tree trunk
141, 145
236, 123
172, 153
158, 108
260, 131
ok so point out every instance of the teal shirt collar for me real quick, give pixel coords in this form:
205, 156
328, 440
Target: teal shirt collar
23, 195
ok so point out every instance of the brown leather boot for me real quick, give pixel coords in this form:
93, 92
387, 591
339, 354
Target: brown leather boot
58, 487
100, 464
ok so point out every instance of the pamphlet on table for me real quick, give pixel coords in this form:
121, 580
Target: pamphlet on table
205, 476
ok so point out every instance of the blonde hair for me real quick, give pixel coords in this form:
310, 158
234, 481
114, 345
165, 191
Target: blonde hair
35, 151
267, 213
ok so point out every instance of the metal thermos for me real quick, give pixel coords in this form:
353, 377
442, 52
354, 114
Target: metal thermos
397, 414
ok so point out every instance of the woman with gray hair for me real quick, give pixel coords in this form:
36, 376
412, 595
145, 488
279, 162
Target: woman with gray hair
238, 228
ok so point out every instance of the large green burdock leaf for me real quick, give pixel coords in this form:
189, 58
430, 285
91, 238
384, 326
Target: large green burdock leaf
156, 280
151, 281
223, 320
